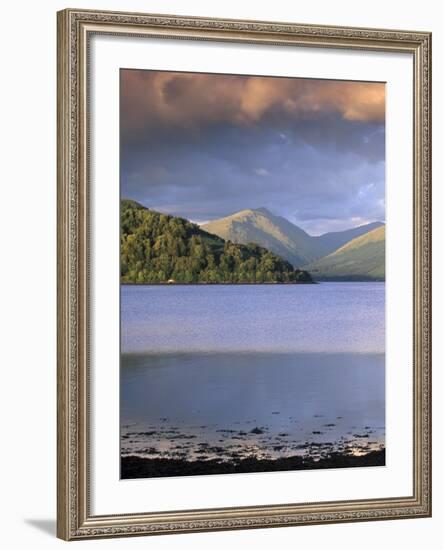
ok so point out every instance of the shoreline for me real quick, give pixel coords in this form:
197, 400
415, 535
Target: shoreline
218, 284
317, 282
133, 467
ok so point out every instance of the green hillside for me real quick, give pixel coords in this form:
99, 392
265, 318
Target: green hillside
281, 236
330, 242
157, 248
363, 258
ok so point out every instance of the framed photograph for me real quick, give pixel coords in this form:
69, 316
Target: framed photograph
243, 274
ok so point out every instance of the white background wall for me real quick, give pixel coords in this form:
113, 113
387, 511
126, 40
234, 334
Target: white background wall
28, 90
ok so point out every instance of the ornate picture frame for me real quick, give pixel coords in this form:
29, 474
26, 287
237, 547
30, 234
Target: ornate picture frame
75, 518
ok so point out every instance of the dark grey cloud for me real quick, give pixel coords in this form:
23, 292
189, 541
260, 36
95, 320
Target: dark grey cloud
320, 169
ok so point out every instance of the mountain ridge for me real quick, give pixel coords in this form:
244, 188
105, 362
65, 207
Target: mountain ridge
362, 258
282, 236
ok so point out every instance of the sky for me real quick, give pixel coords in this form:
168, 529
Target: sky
203, 146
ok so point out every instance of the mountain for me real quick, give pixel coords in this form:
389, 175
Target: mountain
362, 258
281, 236
262, 227
157, 248
336, 239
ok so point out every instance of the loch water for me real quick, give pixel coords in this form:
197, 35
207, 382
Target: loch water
234, 371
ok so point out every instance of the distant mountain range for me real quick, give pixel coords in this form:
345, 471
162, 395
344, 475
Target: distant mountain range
340, 255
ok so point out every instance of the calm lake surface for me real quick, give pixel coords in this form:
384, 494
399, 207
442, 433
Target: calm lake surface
232, 371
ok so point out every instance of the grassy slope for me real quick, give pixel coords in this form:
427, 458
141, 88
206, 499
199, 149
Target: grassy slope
363, 258
334, 240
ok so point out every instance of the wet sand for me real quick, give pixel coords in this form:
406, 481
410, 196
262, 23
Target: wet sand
133, 467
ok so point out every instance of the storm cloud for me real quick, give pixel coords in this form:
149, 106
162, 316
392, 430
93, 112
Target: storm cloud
203, 146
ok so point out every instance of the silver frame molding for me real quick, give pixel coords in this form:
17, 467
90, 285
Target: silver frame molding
74, 519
